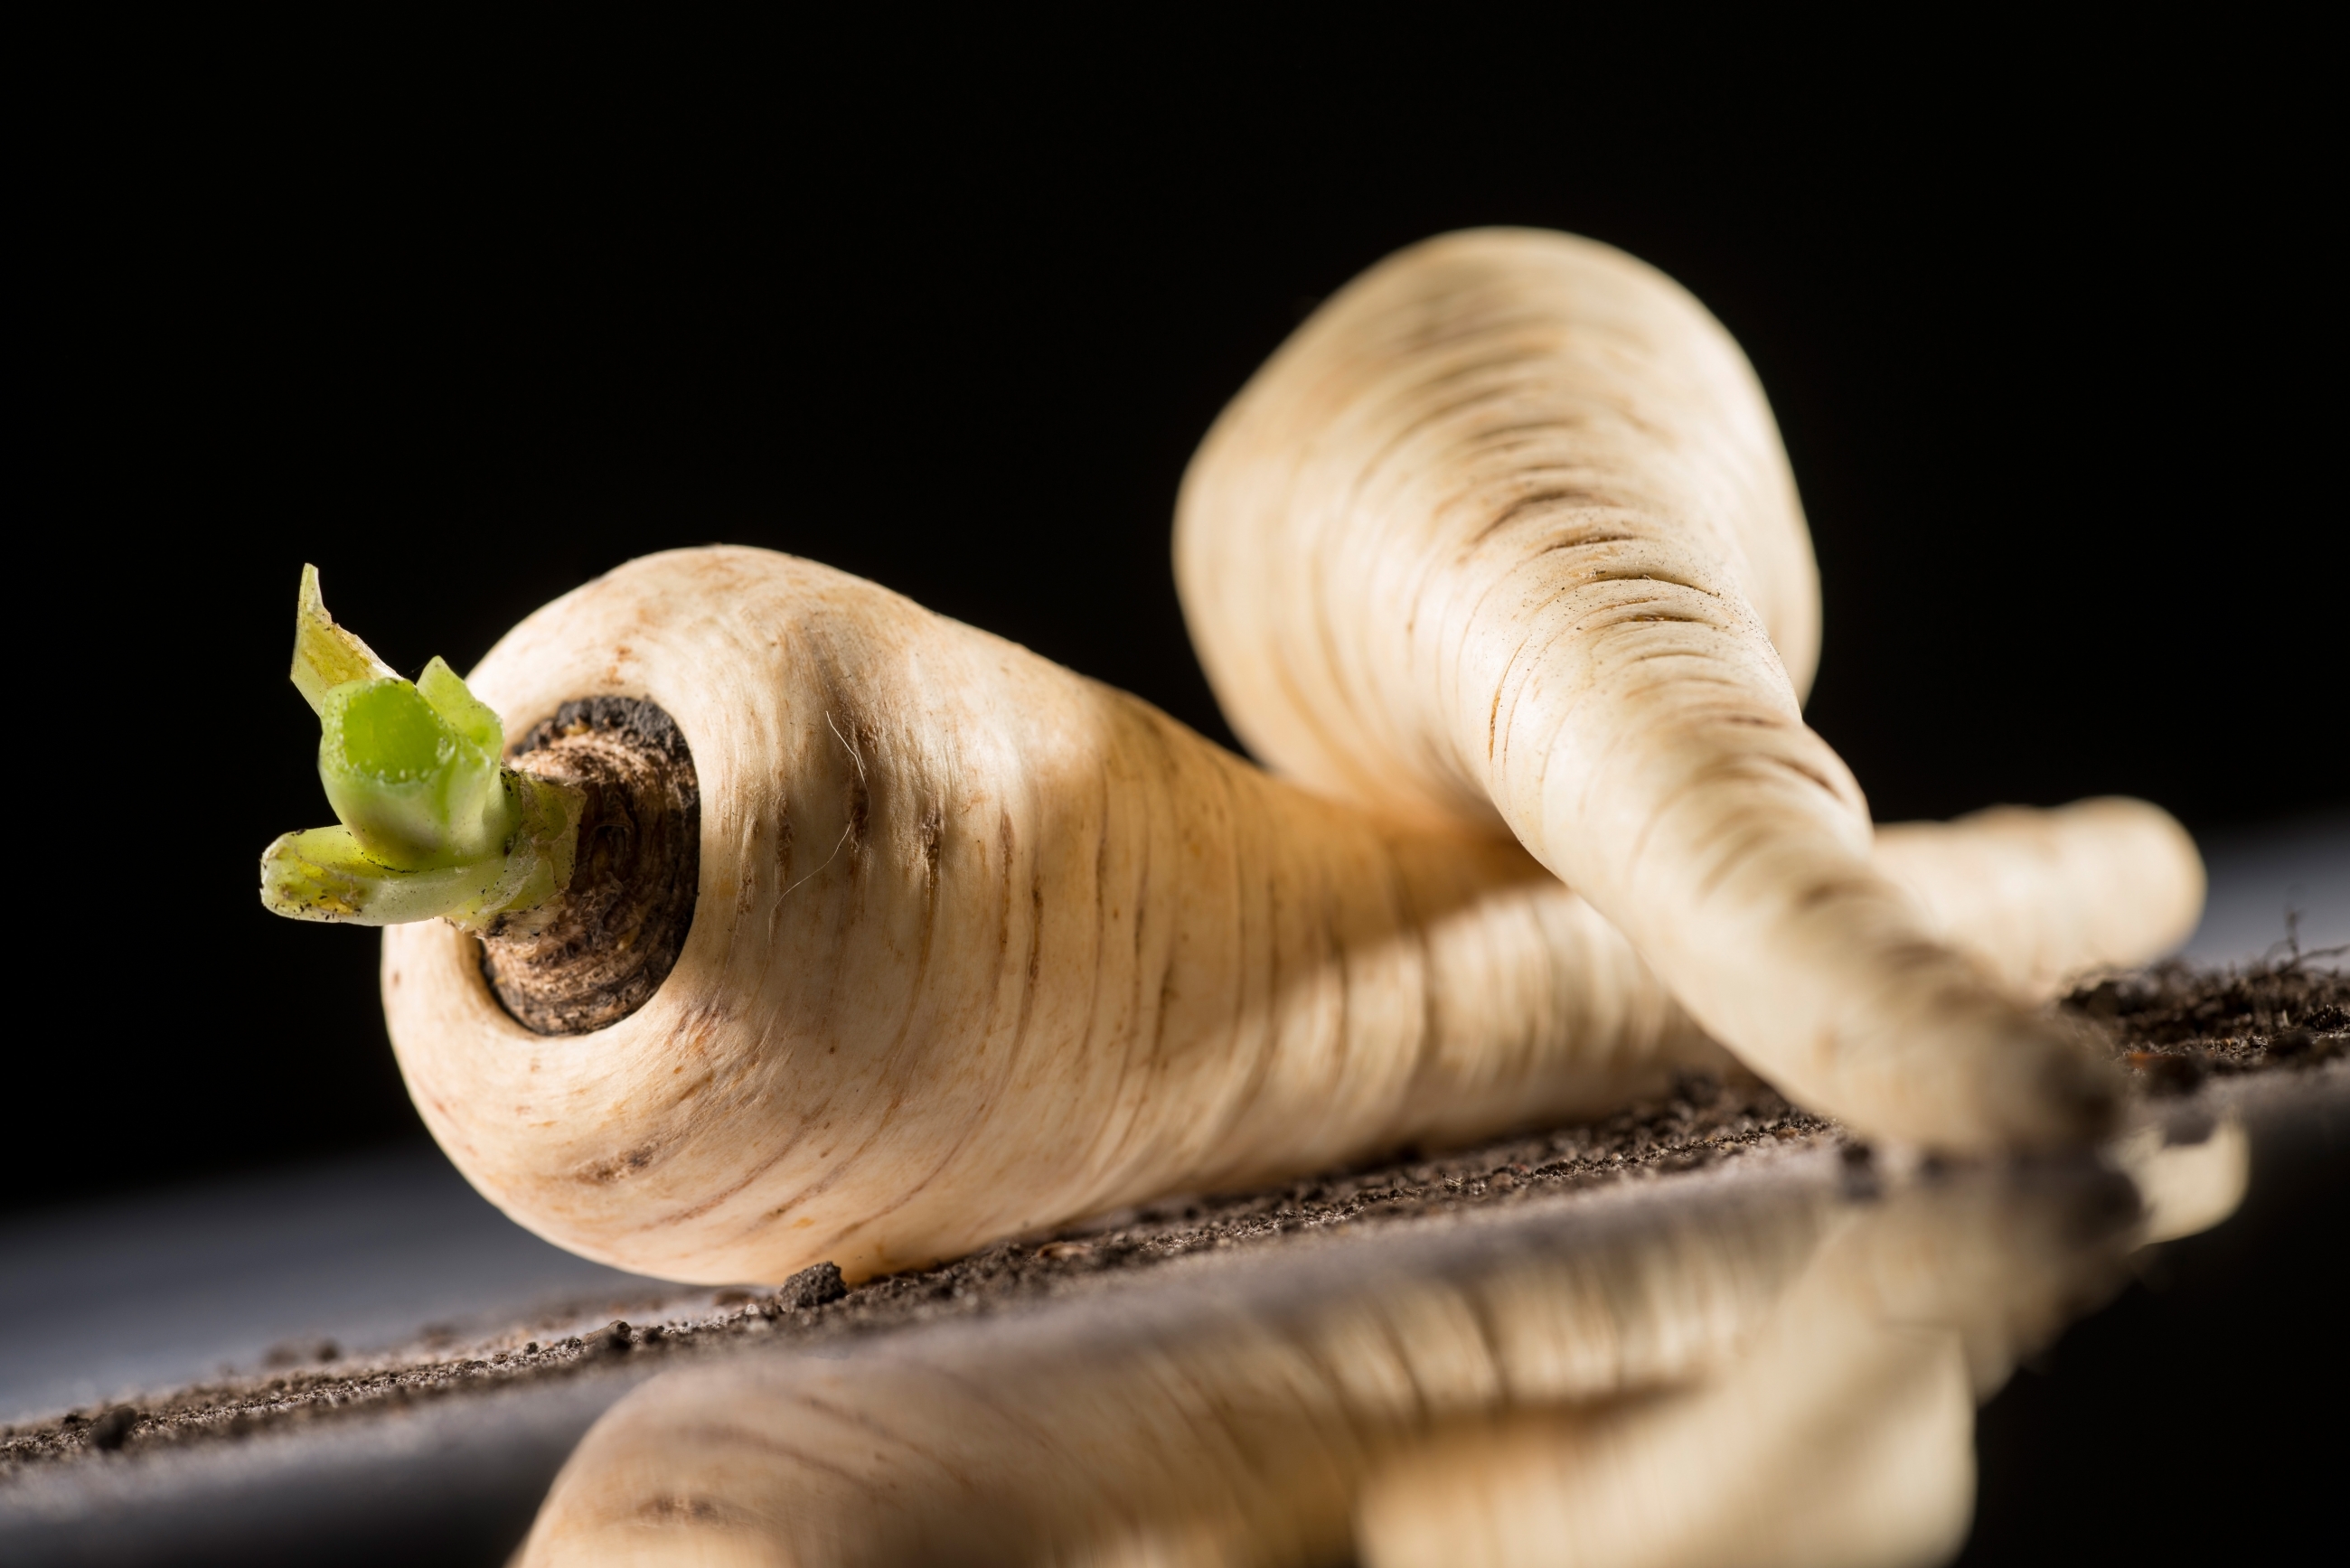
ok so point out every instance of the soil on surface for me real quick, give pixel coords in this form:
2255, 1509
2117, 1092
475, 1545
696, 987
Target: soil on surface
2172, 1026
2175, 1026
600, 951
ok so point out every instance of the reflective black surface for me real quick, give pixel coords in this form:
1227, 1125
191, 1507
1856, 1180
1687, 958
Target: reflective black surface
1763, 1364
1772, 1369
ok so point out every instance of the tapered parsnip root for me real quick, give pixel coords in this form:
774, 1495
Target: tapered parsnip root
1505, 533
980, 945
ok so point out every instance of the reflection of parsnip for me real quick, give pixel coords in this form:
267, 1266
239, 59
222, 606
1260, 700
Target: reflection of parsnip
1843, 1436
1201, 1425
1705, 1385
1506, 532
981, 945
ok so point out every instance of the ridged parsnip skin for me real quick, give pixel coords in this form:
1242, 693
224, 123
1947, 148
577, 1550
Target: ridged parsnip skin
982, 946
1505, 528
2046, 897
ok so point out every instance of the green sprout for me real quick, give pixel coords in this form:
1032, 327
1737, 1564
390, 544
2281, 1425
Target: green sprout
432, 823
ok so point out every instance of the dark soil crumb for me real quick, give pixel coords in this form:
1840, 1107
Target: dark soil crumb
2172, 1026
112, 1428
811, 1288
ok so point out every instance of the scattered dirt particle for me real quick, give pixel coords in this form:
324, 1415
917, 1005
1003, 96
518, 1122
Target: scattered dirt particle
2223, 1022
811, 1288
2168, 1073
113, 1428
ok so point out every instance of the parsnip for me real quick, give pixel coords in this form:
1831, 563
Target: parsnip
980, 945
1504, 534
964, 944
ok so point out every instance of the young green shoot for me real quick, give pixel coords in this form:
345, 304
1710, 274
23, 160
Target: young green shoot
432, 824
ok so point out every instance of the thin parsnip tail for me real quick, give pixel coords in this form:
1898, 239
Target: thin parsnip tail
2046, 898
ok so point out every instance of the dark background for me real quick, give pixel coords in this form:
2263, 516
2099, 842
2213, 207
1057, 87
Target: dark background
468, 320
